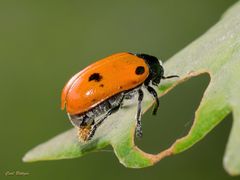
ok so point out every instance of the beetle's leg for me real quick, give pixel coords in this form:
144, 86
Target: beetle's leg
99, 122
154, 94
139, 113
86, 120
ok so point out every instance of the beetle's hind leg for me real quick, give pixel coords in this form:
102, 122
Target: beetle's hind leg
99, 122
114, 109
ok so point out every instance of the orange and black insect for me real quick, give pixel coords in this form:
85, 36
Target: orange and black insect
99, 90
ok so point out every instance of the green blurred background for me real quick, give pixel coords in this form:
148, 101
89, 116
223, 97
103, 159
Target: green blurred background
43, 43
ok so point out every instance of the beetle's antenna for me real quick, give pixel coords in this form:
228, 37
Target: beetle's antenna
168, 77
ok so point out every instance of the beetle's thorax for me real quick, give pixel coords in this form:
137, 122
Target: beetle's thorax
156, 70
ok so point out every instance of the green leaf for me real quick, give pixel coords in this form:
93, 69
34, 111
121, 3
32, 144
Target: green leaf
217, 53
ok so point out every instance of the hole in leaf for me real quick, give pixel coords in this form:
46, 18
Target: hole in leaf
175, 115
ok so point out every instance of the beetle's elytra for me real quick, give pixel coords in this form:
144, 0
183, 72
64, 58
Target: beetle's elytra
100, 89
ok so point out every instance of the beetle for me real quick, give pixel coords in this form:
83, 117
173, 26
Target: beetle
99, 90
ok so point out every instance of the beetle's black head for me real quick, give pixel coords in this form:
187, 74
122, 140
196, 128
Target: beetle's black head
156, 70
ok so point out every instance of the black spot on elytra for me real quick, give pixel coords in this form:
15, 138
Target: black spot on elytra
120, 87
139, 70
101, 85
95, 77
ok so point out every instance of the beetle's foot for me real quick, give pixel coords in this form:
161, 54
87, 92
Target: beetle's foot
91, 133
84, 132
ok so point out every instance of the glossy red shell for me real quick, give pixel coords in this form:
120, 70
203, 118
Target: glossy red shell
117, 73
